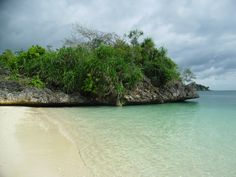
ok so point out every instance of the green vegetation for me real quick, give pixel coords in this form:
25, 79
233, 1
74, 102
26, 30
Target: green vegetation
36, 82
93, 63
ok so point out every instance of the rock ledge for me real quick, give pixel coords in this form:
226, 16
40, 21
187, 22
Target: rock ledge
13, 93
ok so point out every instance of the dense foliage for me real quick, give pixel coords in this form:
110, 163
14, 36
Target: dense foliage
102, 65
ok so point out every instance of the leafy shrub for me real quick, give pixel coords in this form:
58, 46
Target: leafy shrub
36, 82
157, 66
109, 73
100, 65
9, 59
14, 76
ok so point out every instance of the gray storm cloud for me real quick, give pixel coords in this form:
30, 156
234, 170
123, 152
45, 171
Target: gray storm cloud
199, 34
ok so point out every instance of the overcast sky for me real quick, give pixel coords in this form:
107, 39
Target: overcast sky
199, 34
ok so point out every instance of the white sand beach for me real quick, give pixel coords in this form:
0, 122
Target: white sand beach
31, 145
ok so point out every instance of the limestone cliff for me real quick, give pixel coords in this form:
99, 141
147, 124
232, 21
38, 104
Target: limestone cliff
13, 93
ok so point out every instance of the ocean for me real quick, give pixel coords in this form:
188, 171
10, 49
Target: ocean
194, 138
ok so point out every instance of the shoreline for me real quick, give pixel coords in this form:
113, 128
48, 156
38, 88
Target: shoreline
33, 144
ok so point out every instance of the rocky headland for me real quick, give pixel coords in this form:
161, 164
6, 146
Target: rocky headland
15, 93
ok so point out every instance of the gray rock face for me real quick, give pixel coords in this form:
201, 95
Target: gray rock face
13, 93
4, 71
172, 92
11, 86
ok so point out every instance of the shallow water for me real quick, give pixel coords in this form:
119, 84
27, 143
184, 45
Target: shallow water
196, 138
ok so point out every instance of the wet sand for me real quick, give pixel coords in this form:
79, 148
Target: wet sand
34, 145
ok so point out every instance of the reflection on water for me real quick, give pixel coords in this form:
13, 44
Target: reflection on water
195, 138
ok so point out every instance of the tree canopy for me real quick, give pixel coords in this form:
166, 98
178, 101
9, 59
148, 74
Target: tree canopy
94, 63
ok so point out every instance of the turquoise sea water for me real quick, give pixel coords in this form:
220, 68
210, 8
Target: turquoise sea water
195, 138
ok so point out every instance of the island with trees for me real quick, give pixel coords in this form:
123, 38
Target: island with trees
92, 68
